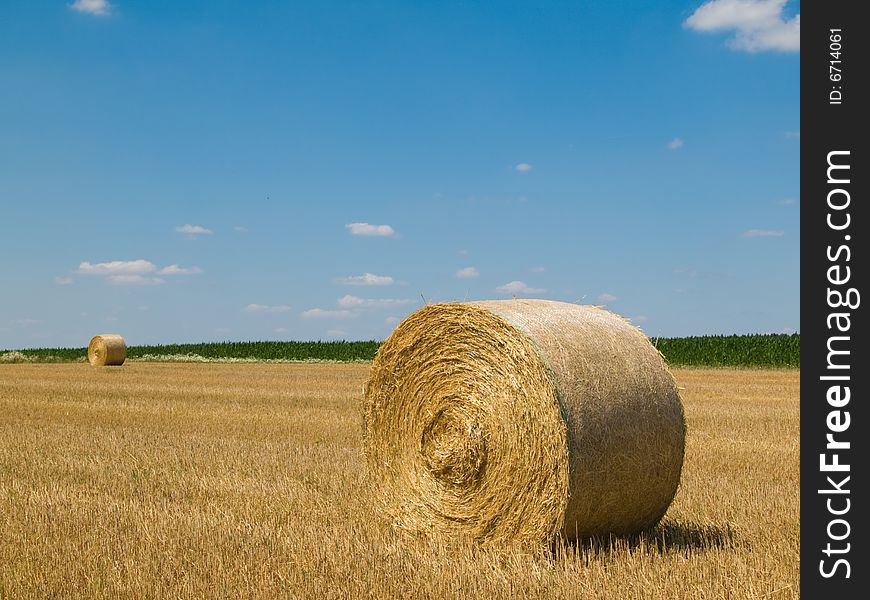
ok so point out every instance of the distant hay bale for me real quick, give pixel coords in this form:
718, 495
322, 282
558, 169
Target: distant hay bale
518, 420
108, 349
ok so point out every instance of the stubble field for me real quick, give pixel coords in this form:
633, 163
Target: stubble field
248, 480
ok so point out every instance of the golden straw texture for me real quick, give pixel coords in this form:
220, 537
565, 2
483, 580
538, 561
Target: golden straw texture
108, 349
517, 420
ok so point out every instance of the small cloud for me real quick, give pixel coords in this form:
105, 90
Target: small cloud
788, 202
793, 134
391, 320
524, 167
112, 318
240, 229
26, 322
282, 330
467, 273
758, 25
606, 298
63, 280
518, 287
193, 230
537, 269
99, 8
365, 279
265, 308
755, 233
675, 144
129, 272
335, 332
133, 280
348, 301
639, 319
462, 252
319, 313
176, 270
117, 267
367, 229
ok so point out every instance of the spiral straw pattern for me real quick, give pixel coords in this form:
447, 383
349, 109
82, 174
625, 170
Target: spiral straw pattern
108, 349
518, 420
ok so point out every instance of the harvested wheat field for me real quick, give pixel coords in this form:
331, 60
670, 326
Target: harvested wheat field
249, 480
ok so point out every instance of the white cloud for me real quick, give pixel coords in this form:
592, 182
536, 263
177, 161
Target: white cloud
524, 167
467, 273
241, 229
319, 313
639, 319
133, 280
335, 332
282, 330
26, 322
176, 270
675, 144
348, 301
538, 269
606, 298
92, 7
785, 37
518, 287
129, 272
63, 280
193, 230
754, 233
793, 134
391, 320
788, 202
264, 308
367, 229
365, 279
118, 267
758, 24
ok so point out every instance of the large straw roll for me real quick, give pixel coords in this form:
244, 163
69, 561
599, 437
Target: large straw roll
108, 349
517, 420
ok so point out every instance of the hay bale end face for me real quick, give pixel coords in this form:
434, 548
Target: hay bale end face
108, 349
518, 420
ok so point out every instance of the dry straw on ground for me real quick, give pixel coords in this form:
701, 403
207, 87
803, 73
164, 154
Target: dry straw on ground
248, 481
108, 349
519, 420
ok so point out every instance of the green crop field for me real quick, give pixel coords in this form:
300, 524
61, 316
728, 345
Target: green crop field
247, 351
707, 351
763, 351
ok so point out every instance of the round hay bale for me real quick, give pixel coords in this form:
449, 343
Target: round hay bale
107, 349
518, 420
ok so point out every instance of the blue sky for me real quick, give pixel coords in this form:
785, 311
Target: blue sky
272, 170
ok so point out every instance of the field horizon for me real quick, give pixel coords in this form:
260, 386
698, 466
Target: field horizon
738, 350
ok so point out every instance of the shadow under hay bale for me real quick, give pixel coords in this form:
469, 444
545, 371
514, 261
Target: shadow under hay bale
664, 538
